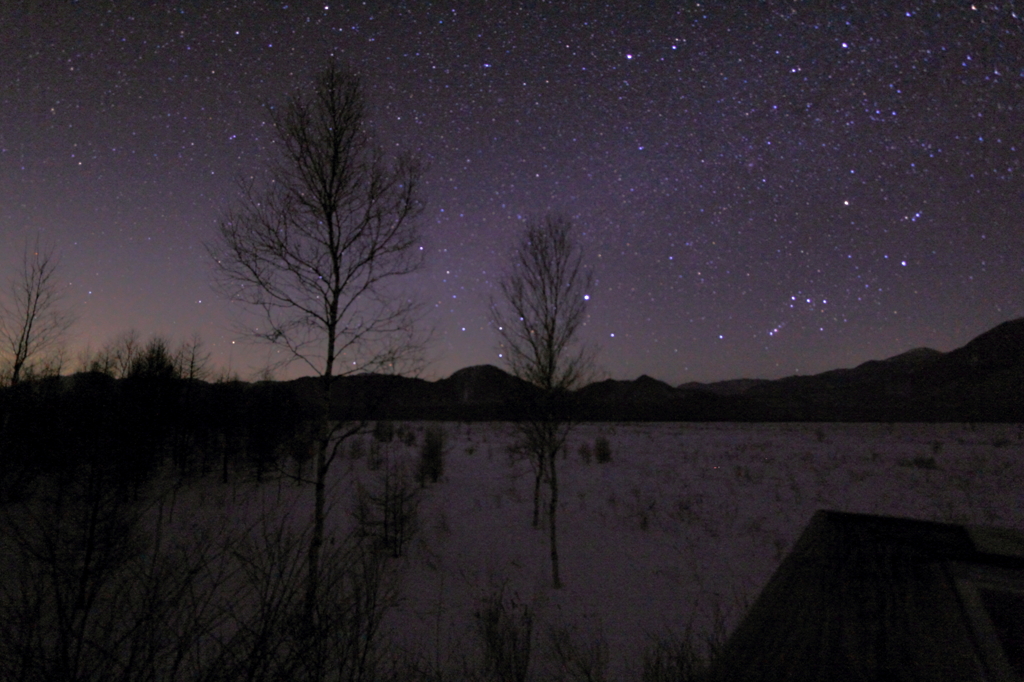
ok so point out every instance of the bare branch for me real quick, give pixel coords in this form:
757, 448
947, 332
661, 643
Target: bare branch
316, 252
538, 317
34, 321
191, 360
542, 307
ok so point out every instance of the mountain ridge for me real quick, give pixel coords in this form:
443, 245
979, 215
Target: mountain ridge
980, 381
983, 380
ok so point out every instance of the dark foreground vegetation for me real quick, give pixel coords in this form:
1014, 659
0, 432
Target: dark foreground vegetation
95, 585
99, 581
132, 426
106, 575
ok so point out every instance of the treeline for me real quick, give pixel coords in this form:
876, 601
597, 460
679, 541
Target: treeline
140, 406
111, 572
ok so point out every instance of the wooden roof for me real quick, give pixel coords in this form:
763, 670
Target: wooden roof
865, 597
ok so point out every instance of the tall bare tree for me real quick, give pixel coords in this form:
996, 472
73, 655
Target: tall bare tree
538, 316
34, 319
317, 249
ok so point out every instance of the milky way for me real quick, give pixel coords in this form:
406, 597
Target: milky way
762, 190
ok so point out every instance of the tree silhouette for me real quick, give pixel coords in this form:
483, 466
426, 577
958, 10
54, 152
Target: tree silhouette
315, 252
34, 321
538, 316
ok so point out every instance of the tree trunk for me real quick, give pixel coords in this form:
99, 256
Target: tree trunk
16, 372
224, 462
552, 526
536, 491
317, 540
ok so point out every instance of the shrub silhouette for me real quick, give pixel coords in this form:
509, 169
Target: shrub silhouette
431, 456
505, 627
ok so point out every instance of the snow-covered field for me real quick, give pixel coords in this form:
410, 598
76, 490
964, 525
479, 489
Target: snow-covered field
679, 531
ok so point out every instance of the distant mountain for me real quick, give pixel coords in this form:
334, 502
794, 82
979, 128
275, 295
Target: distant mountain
644, 390
916, 356
481, 385
642, 399
483, 392
982, 381
999, 349
729, 387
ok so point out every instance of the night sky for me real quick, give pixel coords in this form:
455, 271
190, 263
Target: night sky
762, 188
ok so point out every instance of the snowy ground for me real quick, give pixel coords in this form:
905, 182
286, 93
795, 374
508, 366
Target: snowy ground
680, 530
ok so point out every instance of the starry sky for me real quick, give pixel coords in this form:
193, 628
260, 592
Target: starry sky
762, 188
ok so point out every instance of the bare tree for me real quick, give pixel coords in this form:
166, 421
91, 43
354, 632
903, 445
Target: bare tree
317, 249
191, 360
34, 321
127, 353
115, 359
542, 306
